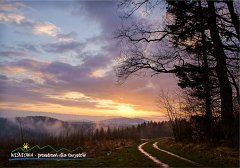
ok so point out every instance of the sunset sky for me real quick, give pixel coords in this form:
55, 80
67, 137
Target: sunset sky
58, 57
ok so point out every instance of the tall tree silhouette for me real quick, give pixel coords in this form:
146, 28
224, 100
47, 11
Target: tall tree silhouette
195, 29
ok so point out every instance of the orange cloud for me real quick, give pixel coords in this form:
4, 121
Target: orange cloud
99, 73
12, 69
14, 18
46, 28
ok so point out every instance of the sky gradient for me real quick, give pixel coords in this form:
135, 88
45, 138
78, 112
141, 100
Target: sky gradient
59, 57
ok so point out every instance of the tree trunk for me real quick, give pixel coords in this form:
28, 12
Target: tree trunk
221, 69
208, 114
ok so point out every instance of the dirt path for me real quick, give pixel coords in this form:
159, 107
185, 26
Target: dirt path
174, 155
157, 161
161, 164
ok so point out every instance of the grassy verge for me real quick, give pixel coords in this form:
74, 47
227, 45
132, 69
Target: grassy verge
207, 155
126, 157
165, 158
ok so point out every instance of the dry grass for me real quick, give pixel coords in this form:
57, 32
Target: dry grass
96, 148
207, 154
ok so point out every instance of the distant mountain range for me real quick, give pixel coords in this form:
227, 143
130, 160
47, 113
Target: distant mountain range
123, 121
37, 126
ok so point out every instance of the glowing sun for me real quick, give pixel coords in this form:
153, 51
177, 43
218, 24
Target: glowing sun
25, 146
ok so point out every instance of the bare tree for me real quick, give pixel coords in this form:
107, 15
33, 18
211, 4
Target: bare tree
174, 107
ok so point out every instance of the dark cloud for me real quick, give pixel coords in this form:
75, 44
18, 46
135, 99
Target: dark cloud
28, 64
21, 92
107, 14
64, 72
20, 50
59, 68
15, 91
66, 37
103, 11
3, 77
28, 81
29, 47
12, 54
97, 61
62, 47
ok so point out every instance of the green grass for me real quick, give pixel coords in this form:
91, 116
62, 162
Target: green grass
206, 155
127, 157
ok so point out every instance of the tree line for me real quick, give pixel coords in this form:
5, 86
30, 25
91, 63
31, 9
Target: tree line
94, 142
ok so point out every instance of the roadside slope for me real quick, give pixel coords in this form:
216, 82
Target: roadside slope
205, 154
